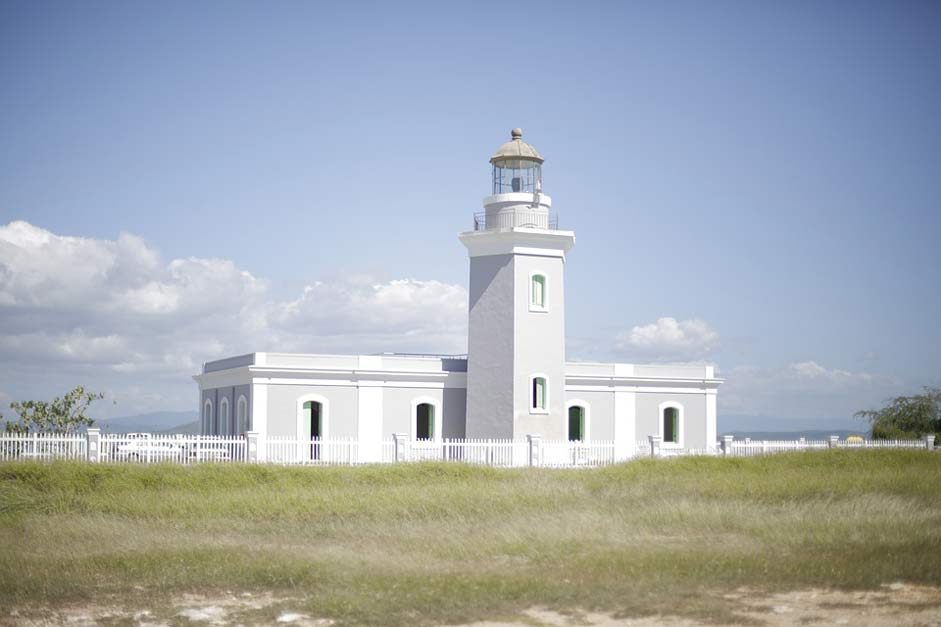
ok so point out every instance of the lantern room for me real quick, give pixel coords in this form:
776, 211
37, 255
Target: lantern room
517, 166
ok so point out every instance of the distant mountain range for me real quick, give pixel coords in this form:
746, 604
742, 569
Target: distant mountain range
153, 422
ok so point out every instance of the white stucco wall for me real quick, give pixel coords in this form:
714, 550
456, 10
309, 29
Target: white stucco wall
375, 397
490, 378
601, 418
693, 416
540, 347
340, 417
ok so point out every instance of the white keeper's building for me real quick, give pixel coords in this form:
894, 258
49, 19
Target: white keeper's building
514, 380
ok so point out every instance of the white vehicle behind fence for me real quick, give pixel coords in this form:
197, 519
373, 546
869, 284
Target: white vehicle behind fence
145, 447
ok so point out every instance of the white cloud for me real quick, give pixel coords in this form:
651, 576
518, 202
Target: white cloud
400, 306
404, 315
802, 390
811, 370
103, 309
669, 339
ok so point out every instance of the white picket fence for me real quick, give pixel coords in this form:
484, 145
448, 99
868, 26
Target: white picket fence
750, 448
565, 454
881, 444
288, 450
42, 446
253, 448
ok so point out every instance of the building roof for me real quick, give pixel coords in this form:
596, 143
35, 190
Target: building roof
516, 148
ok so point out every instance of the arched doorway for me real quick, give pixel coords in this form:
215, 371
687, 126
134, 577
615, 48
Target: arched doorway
313, 416
425, 421
576, 423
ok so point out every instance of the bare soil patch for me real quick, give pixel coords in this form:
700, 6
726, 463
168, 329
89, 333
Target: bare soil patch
892, 605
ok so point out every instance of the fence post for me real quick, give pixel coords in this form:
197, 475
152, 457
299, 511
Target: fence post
834, 441
929, 442
654, 445
535, 448
251, 454
727, 445
399, 447
93, 445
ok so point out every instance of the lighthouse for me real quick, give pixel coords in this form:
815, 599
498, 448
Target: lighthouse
516, 327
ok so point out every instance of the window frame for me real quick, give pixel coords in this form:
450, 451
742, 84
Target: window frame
207, 417
437, 418
224, 416
241, 416
680, 424
586, 419
533, 408
534, 307
302, 427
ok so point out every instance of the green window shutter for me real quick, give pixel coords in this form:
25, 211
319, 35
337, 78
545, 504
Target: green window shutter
431, 422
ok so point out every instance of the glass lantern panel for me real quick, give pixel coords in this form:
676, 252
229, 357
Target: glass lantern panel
516, 176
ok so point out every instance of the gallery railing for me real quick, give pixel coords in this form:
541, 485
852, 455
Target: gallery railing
516, 219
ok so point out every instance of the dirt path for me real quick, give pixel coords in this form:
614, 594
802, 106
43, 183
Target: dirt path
894, 605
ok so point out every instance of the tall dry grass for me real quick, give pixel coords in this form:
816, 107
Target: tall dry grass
433, 543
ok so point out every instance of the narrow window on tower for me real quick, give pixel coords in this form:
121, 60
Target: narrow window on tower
539, 394
537, 291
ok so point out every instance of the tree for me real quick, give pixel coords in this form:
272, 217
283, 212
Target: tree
64, 415
907, 416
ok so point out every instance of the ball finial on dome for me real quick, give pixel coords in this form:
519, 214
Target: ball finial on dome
516, 133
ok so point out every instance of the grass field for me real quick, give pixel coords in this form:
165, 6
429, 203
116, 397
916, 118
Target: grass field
436, 543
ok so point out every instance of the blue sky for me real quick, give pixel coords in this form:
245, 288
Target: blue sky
292, 176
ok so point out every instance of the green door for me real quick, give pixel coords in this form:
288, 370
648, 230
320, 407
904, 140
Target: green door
576, 423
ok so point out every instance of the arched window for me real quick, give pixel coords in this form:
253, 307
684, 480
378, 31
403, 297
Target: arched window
576, 423
241, 416
207, 417
672, 425
426, 418
537, 292
540, 394
425, 421
224, 416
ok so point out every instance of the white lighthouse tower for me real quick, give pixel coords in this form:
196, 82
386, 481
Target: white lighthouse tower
516, 334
